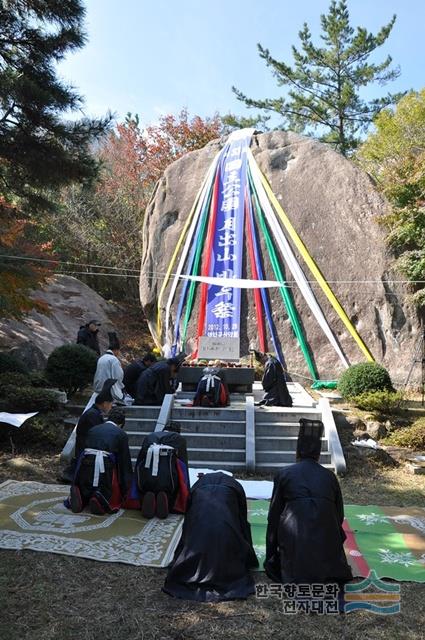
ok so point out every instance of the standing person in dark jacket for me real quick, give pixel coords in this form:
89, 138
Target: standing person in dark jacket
155, 382
104, 470
133, 371
215, 553
88, 336
305, 538
274, 383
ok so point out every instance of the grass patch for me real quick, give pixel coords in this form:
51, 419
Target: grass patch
412, 437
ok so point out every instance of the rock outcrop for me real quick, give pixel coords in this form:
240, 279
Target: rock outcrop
335, 208
70, 303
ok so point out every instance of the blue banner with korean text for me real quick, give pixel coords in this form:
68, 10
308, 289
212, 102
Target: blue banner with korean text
224, 303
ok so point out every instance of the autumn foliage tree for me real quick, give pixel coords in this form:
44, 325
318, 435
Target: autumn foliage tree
102, 225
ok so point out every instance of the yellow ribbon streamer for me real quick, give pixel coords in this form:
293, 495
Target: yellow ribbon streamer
314, 268
176, 251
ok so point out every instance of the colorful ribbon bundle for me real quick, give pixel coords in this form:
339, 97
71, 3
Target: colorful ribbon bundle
234, 205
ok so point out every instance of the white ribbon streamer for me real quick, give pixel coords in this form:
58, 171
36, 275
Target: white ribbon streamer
237, 283
291, 260
207, 185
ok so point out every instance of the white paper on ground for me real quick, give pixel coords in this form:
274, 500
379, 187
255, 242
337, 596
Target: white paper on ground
254, 489
193, 474
15, 419
257, 489
369, 444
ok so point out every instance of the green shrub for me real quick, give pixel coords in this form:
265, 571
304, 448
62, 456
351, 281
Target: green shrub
45, 430
71, 367
413, 437
26, 399
9, 364
38, 379
14, 379
368, 376
384, 402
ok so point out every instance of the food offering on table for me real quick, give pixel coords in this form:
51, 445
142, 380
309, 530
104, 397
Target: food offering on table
221, 364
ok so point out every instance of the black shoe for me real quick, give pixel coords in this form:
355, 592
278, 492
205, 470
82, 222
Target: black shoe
162, 505
148, 505
75, 499
260, 404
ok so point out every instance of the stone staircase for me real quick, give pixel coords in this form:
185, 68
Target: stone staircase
240, 437
215, 437
276, 434
223, 439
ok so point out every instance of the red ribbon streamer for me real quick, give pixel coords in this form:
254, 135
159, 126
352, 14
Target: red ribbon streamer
257, 293
206, 262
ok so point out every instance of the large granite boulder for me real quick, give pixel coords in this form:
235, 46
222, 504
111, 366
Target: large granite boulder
70, 304
335, 208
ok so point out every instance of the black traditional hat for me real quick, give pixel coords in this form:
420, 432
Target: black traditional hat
310, 438
105, 394
114, 343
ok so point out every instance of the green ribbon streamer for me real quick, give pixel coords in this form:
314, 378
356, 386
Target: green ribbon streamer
284, 291
195, 269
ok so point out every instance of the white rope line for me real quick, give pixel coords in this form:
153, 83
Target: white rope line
160, 273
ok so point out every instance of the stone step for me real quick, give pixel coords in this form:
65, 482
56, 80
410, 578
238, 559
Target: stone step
142, 412
140, 424
281, 443
195, 454
204, 413
274, 467
277, 429
226, 465
293, 415
229, 427
284, 456
203, 440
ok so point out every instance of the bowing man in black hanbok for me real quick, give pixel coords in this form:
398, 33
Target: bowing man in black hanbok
215, 553
156, 381
161, 476
305, 538
104, 470
274, 382
134, 370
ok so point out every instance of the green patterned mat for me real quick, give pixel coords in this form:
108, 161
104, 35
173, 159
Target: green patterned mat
387, 540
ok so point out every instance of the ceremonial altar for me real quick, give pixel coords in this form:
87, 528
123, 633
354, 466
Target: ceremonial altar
237, 377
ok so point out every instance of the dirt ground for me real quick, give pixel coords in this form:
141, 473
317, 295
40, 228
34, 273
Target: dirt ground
51, 597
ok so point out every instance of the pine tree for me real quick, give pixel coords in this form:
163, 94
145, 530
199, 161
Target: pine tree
39, 148
324, 83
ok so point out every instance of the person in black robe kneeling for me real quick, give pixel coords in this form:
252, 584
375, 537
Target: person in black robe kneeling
274, 382
215, 553
161, 477
212, 391
104, 471
304, 543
